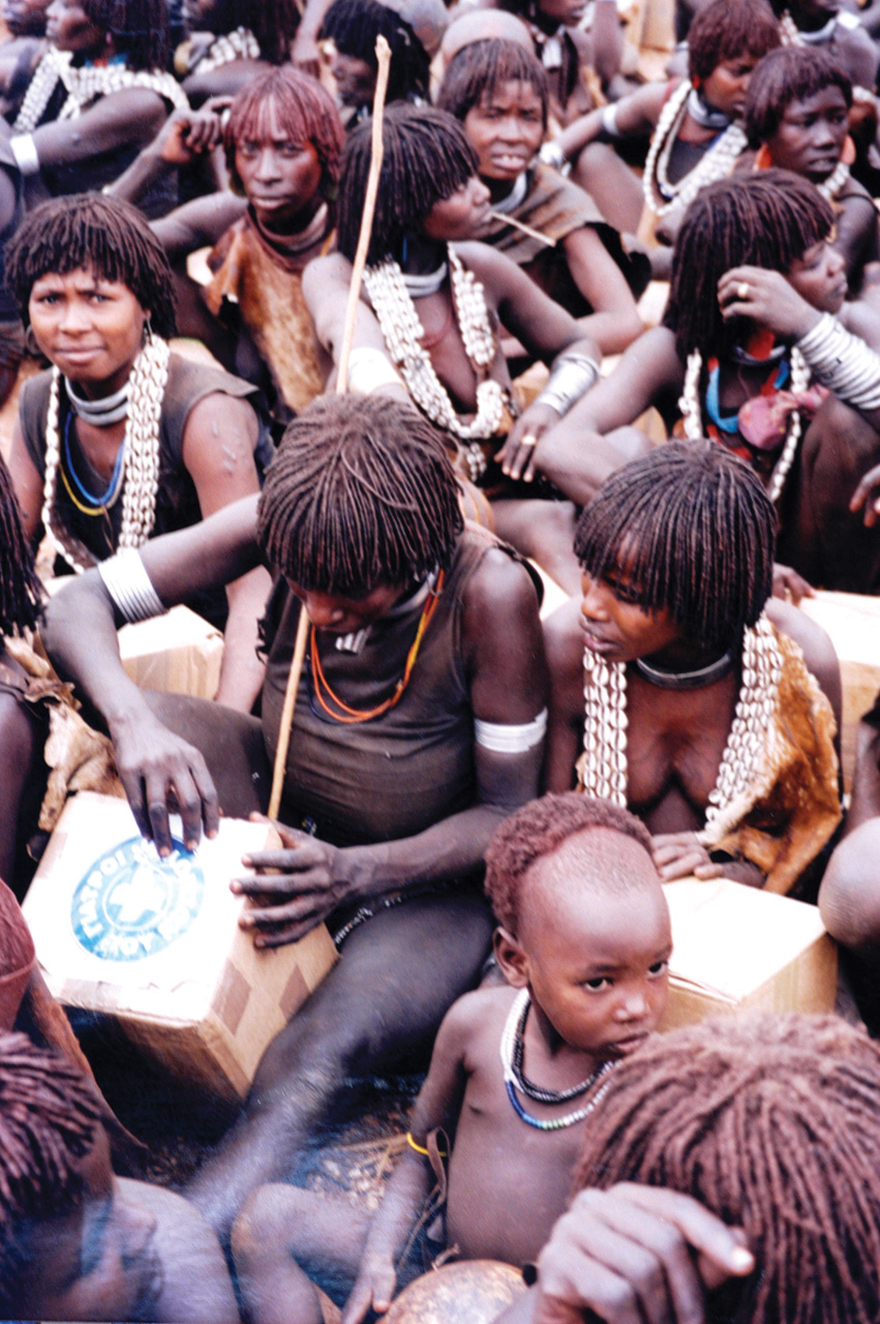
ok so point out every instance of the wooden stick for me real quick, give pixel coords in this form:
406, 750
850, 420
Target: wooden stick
383, 56
526, 229
296, 666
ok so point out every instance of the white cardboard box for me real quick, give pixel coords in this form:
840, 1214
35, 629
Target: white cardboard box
156, 943
178, 652
736, 948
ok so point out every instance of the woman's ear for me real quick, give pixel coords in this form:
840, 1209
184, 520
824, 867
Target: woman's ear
512, 960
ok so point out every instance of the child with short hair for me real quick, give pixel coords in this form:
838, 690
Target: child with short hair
583, 942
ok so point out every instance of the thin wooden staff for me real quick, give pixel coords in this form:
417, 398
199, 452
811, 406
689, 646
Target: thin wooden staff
526, 229
383, 56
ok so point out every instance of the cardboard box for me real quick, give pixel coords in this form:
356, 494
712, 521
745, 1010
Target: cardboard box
853, 622
156, 943
736, 948
179, 653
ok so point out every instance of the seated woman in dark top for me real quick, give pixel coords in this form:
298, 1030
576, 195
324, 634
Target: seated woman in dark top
499, 92
119, 440
98, 94
418, 726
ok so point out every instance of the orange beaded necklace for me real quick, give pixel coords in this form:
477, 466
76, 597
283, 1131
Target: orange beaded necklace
341, 712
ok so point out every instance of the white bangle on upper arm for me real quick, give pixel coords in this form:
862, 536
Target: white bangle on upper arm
24, 149
126, 580
499, 738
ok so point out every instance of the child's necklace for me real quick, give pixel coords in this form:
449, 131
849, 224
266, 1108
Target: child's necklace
511, 1051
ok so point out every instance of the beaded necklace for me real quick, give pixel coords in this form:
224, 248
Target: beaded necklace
83, 84
716, 163
835, 183
403, 333
95, 505
511, 1051
692, 414
140, 452
603, 766
341, 712
240, 44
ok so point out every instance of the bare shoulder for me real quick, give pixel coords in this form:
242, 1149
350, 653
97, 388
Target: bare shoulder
564, 642
333, 267
492, 267
229, 417
471, 1015
502, 584
814, 642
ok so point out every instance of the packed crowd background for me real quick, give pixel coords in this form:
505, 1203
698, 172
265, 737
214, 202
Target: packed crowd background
533, 512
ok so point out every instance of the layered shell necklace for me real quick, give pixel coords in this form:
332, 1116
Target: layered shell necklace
403, 332
136, 472
240, 44
692, 414
83, 84
512, 1057
603, 767
716, 162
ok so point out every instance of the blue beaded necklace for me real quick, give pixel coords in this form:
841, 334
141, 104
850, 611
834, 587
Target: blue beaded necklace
98, 504
510, 1035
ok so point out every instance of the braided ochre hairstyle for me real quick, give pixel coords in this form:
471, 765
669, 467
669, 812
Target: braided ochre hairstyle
772, 1122
49, 1114
360, 493
427, 157
767, 219
110, 237
694, 532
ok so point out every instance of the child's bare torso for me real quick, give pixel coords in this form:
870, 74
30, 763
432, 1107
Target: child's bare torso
508, 1182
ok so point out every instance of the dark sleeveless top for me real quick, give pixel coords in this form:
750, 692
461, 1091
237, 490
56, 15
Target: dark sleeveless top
406, 770
177, 502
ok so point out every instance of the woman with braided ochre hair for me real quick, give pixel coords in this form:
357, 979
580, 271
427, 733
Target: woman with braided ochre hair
418, 725
730, 1176
283, 140
432, 305
694, 124
700, 717
755, 331
121, 440
76, 1241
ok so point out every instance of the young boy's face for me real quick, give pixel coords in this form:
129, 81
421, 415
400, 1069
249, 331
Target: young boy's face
810, 137
597, 959
505, 128
97, 1262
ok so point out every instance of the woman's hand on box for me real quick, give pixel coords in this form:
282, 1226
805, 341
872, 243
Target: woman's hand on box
293, 889
163, 774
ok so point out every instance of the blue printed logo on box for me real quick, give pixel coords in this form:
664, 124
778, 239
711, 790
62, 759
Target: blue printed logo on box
132, 903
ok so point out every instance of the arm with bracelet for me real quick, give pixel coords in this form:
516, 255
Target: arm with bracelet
573, 372
79, 632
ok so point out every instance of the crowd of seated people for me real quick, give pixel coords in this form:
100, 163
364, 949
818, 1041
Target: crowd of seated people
382, 474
